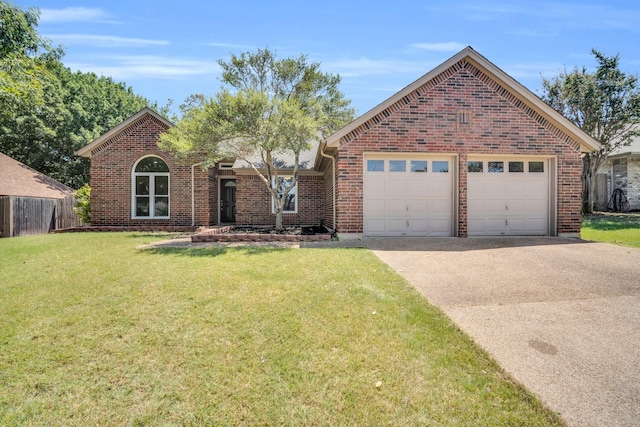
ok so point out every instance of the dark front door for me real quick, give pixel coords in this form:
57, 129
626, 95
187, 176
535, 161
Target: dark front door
227, 200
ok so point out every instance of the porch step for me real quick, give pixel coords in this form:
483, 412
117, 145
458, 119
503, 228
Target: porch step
225, 234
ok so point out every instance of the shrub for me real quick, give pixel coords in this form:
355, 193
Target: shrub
82, 206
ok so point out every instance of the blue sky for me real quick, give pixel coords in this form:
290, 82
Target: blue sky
169, 49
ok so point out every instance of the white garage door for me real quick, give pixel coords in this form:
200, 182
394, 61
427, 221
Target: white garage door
508, 197
408, 196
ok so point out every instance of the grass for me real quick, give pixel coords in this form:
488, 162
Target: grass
96, 332
622, 229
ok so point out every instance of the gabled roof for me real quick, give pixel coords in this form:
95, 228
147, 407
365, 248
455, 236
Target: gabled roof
306, 161
87, 149
18, 179
587, 143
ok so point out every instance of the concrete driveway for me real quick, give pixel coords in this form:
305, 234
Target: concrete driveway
561, 316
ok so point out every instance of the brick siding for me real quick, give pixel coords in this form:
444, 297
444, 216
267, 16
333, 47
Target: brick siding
253, 202
111, 167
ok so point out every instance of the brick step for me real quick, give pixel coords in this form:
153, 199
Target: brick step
256, 237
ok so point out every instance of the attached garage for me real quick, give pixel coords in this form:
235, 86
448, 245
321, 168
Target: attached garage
408, 195
509, 196
513, 163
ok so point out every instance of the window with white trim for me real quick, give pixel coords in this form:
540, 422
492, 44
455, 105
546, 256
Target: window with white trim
291, 202
150, 184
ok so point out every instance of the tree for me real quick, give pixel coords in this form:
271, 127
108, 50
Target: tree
23, 59
47, 112
268, 108
605, 104
77, 108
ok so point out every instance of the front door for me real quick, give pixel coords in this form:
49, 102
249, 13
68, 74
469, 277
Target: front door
227, 200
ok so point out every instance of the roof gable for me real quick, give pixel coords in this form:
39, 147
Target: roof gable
18, 179
104, 140
492, 76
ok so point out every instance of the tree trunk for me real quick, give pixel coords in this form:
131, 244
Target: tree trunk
279, 225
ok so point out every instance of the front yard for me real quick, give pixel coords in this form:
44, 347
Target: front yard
94, 331
619, 228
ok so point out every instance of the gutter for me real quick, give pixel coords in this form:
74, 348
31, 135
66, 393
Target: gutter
333, 187
193, 193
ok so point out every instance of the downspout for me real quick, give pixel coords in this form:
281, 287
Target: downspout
333, 187
193, 193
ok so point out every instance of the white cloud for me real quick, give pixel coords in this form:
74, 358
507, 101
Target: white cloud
570, 15
367, 67
73, 14
97, 40
146, 66
440, 47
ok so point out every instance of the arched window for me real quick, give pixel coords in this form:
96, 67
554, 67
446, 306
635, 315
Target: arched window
150, 183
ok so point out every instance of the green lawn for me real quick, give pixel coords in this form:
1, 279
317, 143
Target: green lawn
622, 229
94, 331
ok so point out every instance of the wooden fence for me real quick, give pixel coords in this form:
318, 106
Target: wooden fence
20, 216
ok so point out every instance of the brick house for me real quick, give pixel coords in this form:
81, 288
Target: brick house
463, 151
621, 170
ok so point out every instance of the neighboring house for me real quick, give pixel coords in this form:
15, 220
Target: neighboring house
30, 202
621, 170
463, 151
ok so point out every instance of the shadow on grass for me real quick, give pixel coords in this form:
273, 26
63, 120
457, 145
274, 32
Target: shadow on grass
211, 251
612, 221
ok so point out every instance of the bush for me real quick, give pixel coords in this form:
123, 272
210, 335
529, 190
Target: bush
82, 206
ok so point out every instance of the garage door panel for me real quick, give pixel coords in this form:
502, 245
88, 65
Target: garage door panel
417, 206
495, 205
495, 225
440, 227
440, 207
375, 226
418, 227
475, 206
375, 205
516, 206
396, 206
536, 206
396, 225
418, 187
537, 225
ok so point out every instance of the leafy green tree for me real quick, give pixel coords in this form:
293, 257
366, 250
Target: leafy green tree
47, 112
23, 59
77, 108
267, 109
605, 104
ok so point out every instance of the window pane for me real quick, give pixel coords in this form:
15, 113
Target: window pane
290, 200
475, 167
152, 164
440, 166
536, 167
516, 166
397, 166
142, 206
418, 165
290, 203
161, 206
495, 166
142, 185
375, 165
161, 185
